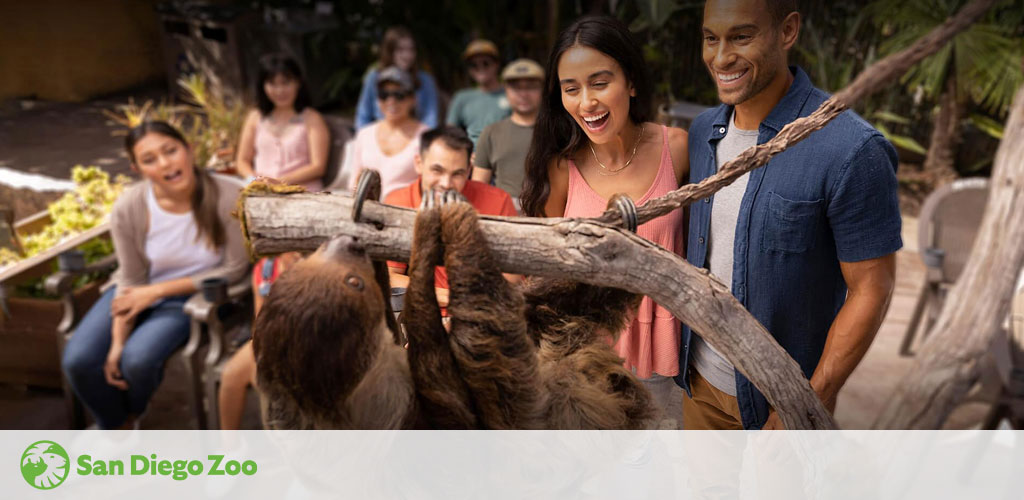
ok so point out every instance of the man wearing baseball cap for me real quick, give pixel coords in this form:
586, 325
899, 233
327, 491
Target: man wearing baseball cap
475, 108
503, 145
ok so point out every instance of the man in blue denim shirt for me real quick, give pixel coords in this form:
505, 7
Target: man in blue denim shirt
808, 241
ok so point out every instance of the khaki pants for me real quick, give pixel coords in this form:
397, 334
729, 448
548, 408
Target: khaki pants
709, 408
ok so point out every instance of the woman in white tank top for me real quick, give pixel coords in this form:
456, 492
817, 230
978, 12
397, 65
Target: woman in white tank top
171, 231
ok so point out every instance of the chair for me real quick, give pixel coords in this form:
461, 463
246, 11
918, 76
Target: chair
335, 177
209, 320
947, 226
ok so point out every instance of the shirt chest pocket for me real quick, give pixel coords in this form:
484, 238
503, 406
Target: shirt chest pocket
791, 226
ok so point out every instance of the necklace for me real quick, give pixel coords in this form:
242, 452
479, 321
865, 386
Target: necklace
607, 171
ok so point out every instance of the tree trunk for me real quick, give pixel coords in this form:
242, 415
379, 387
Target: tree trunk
941, 157
948, 364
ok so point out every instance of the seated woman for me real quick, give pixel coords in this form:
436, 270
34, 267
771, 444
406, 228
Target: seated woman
284, 138
170, 231
390, 145
287, 140
398, 49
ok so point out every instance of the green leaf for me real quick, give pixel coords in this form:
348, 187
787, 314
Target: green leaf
987, 125
900, 141
891, 117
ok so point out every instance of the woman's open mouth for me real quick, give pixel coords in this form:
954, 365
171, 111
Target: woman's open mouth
596, 123
173, 176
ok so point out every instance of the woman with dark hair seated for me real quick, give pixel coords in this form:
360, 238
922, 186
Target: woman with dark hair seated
170, 231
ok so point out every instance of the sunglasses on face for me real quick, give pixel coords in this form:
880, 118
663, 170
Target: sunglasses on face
398, 95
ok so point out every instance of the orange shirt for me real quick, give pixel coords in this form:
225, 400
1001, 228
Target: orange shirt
486, 199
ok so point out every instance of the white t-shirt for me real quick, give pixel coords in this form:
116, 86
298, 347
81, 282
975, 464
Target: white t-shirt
172, 247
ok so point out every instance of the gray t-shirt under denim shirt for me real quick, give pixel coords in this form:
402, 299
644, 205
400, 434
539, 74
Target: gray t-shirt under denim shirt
725, 211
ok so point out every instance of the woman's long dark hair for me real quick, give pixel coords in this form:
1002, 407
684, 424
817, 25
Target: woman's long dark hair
275, 64
556, 134
204, 197
389, 44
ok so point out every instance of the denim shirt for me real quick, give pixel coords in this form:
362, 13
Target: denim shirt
367, 110
831, 198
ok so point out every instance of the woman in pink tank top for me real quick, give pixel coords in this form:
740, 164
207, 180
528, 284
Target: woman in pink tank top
284, 138
287, 140
593, 140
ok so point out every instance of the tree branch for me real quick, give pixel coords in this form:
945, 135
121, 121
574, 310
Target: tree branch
590, 252
878, 76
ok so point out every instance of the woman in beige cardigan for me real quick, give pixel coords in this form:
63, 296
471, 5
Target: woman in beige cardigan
171, 231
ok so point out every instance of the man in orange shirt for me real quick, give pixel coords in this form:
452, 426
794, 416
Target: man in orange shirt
443, 163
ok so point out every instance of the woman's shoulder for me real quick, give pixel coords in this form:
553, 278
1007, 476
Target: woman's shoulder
311, 116
130, 199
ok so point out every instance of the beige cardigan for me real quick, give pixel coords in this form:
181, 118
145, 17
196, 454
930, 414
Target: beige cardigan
129, 223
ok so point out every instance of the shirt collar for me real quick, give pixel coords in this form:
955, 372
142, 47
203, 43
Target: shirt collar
787, 110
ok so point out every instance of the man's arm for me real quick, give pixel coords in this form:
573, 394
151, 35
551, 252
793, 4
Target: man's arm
870, 284
401, 280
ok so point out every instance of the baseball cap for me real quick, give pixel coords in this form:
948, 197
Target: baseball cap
396, 75
481, 47
521, 69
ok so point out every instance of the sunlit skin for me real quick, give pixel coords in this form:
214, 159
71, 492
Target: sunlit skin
483, 69
596, 95
745, 53
404, 55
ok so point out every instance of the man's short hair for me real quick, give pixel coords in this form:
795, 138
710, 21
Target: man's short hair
453, 137
779, 9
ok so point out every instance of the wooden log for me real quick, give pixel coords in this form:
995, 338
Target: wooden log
588, 251
948, 365
876, 77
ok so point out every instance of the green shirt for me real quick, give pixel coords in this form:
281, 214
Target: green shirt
502, 149
473, 109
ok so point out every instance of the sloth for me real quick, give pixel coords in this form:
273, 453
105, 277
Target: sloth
537, 356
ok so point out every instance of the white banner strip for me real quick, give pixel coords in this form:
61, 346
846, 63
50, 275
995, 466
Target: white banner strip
516, 464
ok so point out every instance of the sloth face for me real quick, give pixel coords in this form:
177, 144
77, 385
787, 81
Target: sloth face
317, 332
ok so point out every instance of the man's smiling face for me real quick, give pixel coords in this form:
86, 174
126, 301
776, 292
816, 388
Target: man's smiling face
743, 49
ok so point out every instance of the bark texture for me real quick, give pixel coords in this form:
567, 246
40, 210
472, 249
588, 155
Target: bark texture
587, 251
948, 365
945, 137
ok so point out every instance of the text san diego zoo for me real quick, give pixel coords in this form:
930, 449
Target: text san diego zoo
179, 470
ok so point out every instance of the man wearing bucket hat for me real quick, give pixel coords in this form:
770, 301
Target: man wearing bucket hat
502, 148
475, 108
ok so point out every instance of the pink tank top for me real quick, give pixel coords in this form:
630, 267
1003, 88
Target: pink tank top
276, 156
651, 343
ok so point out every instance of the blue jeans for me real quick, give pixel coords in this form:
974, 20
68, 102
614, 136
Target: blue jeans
159, 331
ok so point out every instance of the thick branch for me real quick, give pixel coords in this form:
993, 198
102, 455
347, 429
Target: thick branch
873, 79
590, 252
948, 364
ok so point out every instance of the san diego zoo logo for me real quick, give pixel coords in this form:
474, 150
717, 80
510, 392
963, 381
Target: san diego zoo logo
44, 465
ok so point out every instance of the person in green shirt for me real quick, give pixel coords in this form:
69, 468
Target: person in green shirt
475, 108
502, 148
